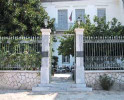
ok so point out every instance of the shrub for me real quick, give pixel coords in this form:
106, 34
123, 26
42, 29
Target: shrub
106, 82
25, 61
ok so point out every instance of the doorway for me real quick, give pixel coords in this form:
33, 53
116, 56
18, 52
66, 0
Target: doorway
63, 58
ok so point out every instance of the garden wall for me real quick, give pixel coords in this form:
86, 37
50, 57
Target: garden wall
19, 79
29, 79
92, 78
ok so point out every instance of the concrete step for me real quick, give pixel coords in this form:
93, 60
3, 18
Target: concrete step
61, 88
66, 85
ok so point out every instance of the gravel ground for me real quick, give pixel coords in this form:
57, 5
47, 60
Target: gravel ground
28, 95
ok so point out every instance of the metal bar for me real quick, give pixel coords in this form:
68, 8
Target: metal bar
103, 52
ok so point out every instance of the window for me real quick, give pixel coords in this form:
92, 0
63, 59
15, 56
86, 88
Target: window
101, 13
62, 20
80, 13
65, 59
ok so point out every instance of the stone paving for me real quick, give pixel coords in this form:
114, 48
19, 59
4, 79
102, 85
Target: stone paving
62, 78
28, 95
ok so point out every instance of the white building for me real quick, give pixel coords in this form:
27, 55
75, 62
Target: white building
61, 10
62, 60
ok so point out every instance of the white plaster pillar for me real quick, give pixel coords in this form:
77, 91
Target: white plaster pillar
45, 68
79, 56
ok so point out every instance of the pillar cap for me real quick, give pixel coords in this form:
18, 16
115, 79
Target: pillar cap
46, 31
79, 30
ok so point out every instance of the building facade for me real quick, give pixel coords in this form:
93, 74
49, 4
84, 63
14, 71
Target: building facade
66, 13
61, 10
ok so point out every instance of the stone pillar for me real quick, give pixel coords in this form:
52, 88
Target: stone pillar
79, 56
45, 68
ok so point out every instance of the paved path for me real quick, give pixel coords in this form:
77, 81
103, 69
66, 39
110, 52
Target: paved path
62, 78
28, 95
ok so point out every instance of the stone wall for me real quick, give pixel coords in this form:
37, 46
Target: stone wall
29, 79
19, 79
92, 78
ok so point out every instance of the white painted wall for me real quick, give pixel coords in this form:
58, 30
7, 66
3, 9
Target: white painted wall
114, 8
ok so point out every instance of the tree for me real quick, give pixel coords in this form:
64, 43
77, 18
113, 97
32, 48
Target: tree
54, 60
67, 46
54, 63
22, 19
98, 28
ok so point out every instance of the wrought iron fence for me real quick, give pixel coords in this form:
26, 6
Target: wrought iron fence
104, 53
100, 53
18, 53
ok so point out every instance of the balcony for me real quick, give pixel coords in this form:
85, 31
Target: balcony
63, 27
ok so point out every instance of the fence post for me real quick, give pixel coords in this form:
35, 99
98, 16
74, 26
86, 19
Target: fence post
80, 79
45, 70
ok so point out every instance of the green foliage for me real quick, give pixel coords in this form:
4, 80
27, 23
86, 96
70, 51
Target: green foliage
106, 82
54, 60
98, 28
26, 59
30, 60
22, 19
54, 63
68, 42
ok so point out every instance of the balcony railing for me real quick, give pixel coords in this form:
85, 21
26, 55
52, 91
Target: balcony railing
63, 27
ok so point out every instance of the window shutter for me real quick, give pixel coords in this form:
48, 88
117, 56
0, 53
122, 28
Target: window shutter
62, 19
63, 58
80, 13
101, 13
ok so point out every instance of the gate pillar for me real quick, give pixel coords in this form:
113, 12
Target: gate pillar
80, 79
45, 70
45, 67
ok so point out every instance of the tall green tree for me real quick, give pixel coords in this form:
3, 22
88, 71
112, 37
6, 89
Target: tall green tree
17, 19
